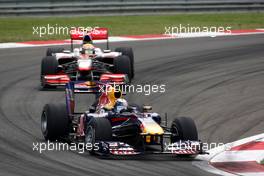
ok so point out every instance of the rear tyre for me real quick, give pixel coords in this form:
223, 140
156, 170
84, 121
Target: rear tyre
51, 51
54, 122
128, 52
98, 129
183, 128
122, 65
49, 66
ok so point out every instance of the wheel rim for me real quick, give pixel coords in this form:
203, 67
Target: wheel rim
175, 132
44, 123
89, 137
43, 81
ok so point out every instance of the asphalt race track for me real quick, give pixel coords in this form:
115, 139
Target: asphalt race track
217, 81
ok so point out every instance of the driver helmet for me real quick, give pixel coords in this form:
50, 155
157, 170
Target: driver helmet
121, 105
88, 49
87, 39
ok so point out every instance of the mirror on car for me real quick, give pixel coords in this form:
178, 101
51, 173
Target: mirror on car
147, 108
107, 51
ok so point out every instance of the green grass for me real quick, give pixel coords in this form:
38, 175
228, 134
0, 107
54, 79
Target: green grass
21, 28
262, 162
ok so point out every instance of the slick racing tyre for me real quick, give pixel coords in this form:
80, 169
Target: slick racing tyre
49, 66
50, 51
183, 128
98, 129
54, 122
122, 65
127, 51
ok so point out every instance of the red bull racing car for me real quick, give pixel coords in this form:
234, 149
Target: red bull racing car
60, 66
115, 127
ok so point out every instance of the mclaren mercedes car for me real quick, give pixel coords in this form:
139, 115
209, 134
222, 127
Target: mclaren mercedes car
115, 127
87, 62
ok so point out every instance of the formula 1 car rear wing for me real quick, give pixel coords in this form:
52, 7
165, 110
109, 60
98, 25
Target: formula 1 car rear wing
95, 34
91, 87
95, 86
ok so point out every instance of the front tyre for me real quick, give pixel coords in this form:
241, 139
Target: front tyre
54, 122
122, 66
183, 128
127, 51
98, 129
49, 66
